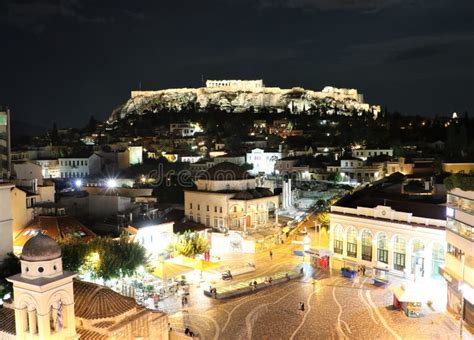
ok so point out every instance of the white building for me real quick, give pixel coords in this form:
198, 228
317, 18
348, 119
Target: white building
6, 219
227, 197
5, 143
49, 304
460, 239
135, 154
185, 129
355, 170
263, 161
367, 153
381, 230
235, 85
153, 236
49, 168
77, 167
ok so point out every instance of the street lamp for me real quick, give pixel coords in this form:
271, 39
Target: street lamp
78, 183
111, 183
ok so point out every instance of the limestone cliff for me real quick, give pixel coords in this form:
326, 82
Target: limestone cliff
297, 100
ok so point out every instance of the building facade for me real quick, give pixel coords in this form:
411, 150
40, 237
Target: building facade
78, 167
227, 198
6, 219
367, 153
263, 162
5, 143
380, 236
235, 85
459, 268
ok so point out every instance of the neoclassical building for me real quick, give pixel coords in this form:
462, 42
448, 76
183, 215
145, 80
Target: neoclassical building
226, 196
390, 231
48, 303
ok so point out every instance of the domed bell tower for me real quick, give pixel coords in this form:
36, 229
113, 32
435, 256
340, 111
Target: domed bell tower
43, 293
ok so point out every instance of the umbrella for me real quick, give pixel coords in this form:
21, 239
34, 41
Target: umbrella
201, 265
167, 270
410, 293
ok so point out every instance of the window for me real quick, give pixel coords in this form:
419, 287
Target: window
220, 210
352, 242
215, 208
215, 222
207, 208
191, 218
198, 219
208, 221
190, 205
199, 207
366, 245
338, 239
382, 248
399, 253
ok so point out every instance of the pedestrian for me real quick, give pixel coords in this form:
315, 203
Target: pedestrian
183, 301
301, 308
271, 255
363, 270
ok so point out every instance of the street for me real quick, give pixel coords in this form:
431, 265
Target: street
335, 307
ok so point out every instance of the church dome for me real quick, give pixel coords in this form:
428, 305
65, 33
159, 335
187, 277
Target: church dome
40, 248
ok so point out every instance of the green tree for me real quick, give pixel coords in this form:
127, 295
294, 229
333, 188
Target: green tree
335, 177
8, 267
74, 251
323, 219
188, 244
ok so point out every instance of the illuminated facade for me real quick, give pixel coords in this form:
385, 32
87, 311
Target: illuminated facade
227, 198
460, 240
5, 143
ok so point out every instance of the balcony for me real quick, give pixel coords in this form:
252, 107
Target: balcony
460, 229
453, 265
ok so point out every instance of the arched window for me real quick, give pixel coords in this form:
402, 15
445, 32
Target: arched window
366, 245
437, 259
352, 242
382, 248
399, 253
417, 256
338, 239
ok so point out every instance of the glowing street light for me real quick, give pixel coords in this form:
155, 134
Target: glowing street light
78, 183
111, 183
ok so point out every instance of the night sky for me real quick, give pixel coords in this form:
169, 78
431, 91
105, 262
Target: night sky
64, 61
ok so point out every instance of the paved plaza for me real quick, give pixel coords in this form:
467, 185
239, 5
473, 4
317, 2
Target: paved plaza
336, 308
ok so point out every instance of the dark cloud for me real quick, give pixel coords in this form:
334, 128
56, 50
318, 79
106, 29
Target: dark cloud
35, 15
85, 56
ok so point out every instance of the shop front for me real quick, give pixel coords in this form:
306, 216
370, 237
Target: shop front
454, 297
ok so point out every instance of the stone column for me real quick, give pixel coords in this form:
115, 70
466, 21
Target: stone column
408, 253
32, 322
390, 254
359, 248
374, 251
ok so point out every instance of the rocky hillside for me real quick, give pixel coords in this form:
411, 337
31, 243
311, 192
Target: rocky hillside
296, 100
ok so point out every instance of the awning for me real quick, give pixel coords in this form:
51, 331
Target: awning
166, 270
410, 293
197, 264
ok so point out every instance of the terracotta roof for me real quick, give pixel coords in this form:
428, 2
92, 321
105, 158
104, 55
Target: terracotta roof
90, 335
55, 227
7, 321
93, 301
103, 324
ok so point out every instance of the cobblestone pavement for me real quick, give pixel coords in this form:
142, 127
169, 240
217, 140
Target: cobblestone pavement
336, 308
